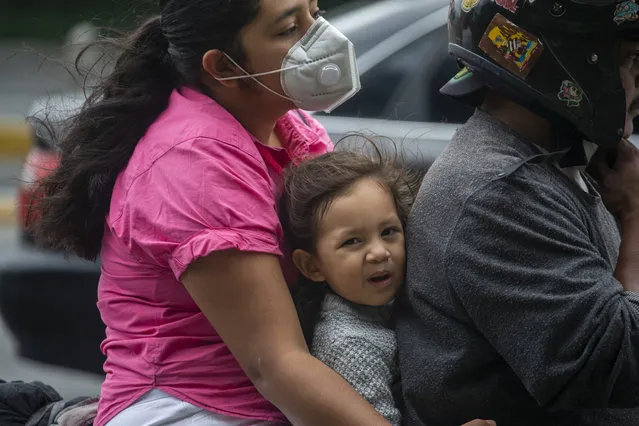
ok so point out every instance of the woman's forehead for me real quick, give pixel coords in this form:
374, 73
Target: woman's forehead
273, 11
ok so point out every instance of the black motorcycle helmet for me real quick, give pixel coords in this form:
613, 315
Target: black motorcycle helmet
559, 58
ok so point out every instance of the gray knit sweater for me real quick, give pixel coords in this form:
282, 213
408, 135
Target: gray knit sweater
359, 343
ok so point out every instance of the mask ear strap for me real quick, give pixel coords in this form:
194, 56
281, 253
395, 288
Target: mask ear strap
252, 77
248, 75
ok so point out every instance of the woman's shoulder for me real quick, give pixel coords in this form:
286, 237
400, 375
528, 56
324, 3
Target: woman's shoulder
191, 115
193, 150
193, 134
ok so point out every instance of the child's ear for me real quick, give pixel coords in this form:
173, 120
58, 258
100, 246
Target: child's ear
307, 265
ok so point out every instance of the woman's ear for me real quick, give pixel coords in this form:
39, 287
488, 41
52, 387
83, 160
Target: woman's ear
307, 265
217, 65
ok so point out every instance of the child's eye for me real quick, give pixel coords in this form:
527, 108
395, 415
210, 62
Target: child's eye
390, 231
351, 242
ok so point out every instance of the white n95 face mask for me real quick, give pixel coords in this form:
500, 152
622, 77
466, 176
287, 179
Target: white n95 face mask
319, 73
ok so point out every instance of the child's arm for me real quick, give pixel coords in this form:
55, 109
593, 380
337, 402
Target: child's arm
363, 366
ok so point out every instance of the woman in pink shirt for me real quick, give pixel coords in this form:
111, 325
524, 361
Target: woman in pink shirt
170, 174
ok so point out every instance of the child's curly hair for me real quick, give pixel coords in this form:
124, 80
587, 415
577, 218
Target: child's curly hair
308, 191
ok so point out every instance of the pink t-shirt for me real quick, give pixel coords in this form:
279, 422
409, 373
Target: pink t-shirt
197, 182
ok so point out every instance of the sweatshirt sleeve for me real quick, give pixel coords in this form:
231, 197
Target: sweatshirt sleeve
539, 290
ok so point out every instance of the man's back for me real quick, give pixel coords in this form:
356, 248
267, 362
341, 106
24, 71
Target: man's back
511, 311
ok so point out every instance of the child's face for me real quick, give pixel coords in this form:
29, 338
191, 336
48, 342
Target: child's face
360, 246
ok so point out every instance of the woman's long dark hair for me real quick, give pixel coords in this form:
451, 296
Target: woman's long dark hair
308, 191
164, 53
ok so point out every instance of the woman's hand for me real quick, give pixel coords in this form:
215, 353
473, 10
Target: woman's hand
246, 299
480, 423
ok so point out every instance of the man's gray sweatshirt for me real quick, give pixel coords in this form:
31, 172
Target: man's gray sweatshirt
511, 310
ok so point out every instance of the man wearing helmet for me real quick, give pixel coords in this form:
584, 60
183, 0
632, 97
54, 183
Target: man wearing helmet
522, 295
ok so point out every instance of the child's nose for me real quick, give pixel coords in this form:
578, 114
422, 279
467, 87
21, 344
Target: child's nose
377, 253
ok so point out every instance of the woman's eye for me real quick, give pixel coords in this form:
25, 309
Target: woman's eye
294, 28
289, 31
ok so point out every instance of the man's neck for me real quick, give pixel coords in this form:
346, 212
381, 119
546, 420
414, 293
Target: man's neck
523, 121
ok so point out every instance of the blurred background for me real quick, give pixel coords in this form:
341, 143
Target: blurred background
39, 40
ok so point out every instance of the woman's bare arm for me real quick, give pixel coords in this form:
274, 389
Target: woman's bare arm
245, 297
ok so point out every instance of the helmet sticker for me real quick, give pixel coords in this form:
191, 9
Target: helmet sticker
509, 5
626, 11
570, 93
468, 4
513, 48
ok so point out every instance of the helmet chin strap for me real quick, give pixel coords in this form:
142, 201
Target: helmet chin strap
573, 142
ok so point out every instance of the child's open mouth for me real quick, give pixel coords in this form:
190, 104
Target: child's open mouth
381, 279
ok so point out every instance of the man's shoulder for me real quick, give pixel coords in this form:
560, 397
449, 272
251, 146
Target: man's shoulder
487, 168
483, 151
482, 147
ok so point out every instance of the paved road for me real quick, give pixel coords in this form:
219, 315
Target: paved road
68, 383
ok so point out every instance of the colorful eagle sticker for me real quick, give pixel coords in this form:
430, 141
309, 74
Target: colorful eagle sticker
514, 48
625, 12
509, 5
467, 5
570, 93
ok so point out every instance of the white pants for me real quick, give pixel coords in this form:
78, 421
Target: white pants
157, 408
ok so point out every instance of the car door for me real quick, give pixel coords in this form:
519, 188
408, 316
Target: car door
402, 75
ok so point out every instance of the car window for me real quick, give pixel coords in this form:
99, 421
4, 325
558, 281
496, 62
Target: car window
405, 86
417, 97
380, 83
